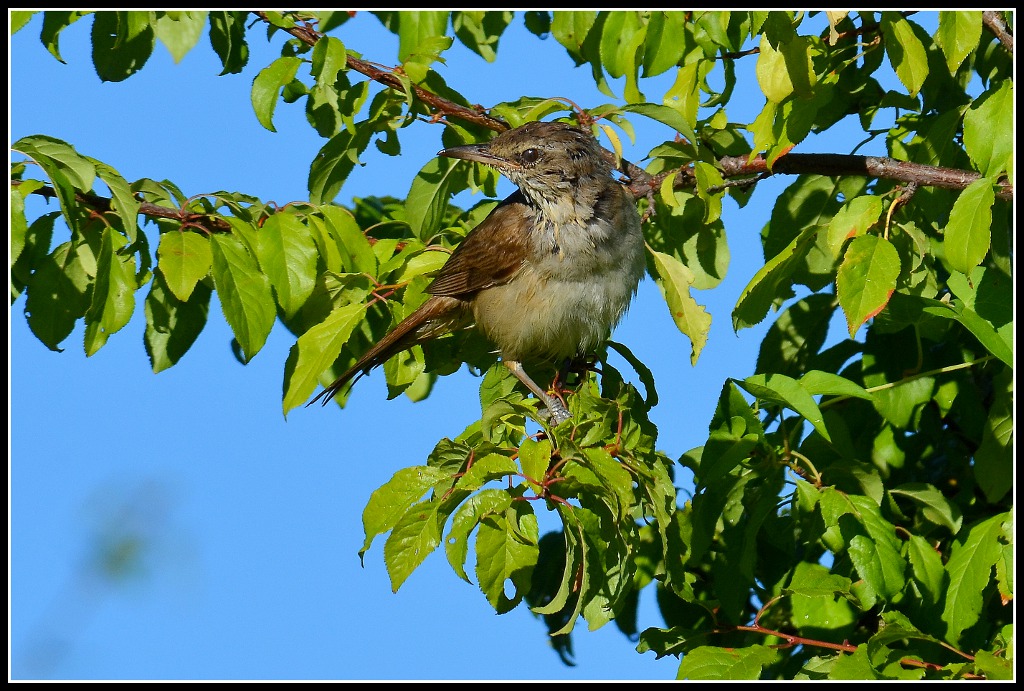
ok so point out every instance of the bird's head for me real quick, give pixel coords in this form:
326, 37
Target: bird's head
551, 162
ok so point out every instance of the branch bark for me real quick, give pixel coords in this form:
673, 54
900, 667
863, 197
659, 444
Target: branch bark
207, 222
308, 35
995, 23
867, 166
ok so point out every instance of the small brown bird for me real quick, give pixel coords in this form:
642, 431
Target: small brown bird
548, 273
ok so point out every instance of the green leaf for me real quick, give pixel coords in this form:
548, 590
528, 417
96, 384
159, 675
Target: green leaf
456, 543
181, 32
492, 466
334, 162
855, 666
324, 107
288, 257
58, 292
427, 200
479, 31
665, 115
927, 570
708, 177
172, 325
989, 131
356, 251
571, 30
535, 457
816, 382
866, 278
19, 224
53, 24
876, 554
227, 36
771, 281
622, 37
719, 664
575, 553
896, 627
613, 477
113, 294
316, 350
393, 500
622, 34
19, 18
244, 294
959, 33
934, 505
813, 598
853, 220
644, 372
905, 51
684, 95
968, 234
664, 44
994, 667
413, 28
414, 537
268, 84
970, 573
785, 70
796, 336
507, 550
121, 44
998, 342
778, 388
183, 259
813, 582
56, 156
674, 281
538, 22
994, 459
124, 203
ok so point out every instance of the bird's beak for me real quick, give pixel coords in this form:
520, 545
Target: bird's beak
480, 153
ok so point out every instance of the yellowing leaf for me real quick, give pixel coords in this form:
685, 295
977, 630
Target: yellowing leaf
674, 281
866, 278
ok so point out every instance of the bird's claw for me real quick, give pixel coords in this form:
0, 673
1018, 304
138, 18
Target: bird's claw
555, 413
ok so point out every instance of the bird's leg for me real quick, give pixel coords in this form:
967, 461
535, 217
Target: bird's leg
578, 367
557, 411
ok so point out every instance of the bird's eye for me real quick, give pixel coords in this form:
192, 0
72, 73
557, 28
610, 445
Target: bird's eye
530, 156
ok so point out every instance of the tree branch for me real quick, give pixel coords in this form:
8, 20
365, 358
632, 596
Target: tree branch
308, 35
879, 167
207, 222
995, 23
867, 166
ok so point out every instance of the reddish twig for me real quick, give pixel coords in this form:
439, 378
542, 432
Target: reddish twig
310, 36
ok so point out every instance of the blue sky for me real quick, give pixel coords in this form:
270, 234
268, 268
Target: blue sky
248, 524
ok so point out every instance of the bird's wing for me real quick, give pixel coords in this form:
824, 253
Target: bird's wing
490, 255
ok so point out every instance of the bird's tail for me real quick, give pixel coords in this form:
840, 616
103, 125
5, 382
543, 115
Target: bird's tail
434, 317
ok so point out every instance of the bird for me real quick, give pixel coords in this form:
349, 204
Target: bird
547, 274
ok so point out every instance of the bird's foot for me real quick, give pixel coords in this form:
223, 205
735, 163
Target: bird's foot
555, 412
